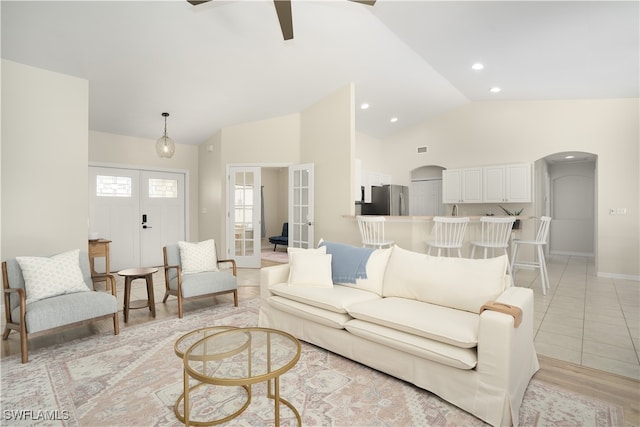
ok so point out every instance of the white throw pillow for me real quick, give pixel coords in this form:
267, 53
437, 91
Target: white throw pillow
310, 269
198, 257
321, 250
48, 277
462, 283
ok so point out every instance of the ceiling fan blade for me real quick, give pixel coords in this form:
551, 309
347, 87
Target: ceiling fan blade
197, 2
367, 2
283, 9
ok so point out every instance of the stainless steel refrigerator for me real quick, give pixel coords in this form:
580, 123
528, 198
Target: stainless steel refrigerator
390, 200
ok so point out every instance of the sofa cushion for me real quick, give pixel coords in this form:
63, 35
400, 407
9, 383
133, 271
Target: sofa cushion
336, 299
46, 277
305, 311
462, 283
206, 282
310, 269
456, 357
455, 327
198, 257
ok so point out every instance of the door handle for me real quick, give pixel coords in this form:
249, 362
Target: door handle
146, 226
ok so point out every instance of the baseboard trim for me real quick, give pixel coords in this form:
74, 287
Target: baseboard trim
618, 276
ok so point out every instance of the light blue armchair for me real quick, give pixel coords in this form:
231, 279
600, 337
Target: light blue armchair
52, 314
206, 283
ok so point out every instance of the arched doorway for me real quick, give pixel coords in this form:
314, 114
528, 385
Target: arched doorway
426, 191
568, 193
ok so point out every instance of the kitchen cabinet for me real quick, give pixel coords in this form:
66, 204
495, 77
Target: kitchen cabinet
462, 185
507, 183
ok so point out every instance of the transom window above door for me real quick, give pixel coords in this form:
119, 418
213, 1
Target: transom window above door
113, 186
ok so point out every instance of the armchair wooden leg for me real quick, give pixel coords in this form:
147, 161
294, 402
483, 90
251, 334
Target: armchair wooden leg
24, 346
166, 295
116, 324
235, 298
179, 305
5, 334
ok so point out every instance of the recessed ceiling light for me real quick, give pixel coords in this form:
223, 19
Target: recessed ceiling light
393, 119
477, 66
495, 90
569, 157
364, 106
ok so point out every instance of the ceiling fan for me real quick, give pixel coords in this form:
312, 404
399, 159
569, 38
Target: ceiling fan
283, 9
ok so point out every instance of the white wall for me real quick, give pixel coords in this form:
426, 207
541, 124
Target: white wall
485, 133
140, 153
44, 161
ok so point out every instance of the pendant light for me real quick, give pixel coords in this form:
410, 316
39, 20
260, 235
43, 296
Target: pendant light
165, 147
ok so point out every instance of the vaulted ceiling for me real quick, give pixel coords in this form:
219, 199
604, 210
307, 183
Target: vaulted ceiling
225, 62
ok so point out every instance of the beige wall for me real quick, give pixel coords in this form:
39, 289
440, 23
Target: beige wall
44, 161
328, 141
484, 133
140, 153
266, 142
275, 185
211, 179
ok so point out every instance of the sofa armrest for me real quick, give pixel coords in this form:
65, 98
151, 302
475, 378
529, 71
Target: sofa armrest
506, 356
270, 276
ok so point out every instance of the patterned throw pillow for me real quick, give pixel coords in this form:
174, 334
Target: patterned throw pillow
49, 277
198, 257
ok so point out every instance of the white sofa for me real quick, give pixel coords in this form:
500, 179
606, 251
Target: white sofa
416, 317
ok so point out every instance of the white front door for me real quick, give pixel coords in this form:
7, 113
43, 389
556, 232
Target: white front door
301, 208
162, 219
244, 225
113, 214
118, 199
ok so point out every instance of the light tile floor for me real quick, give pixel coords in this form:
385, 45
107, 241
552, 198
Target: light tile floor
583, 319
586, 319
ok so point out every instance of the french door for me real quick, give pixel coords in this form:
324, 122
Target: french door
244, 224
301, 206
139, 211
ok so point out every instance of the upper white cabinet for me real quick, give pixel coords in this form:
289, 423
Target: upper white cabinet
462, 185
490, 184
507, 183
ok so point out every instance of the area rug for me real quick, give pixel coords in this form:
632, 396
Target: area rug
275, 256
134, 379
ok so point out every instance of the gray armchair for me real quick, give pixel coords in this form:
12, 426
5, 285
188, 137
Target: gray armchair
50, 315
207, 283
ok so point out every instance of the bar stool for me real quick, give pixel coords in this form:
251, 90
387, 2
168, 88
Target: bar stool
541, 240
496, 233
372, 231
449, 234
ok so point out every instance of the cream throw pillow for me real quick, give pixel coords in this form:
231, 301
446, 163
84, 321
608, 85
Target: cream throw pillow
462, 283
310, 269
53, 276
321, 250
198, 257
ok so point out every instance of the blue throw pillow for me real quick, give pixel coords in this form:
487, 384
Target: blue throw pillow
348, 263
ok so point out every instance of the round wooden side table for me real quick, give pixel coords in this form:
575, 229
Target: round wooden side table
130, 275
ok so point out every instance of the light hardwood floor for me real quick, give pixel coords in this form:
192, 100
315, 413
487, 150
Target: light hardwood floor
610, 387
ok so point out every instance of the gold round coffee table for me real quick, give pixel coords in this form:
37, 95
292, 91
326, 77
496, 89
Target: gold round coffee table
235, 357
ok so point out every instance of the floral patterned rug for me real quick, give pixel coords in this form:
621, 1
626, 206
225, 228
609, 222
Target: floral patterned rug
135, 378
